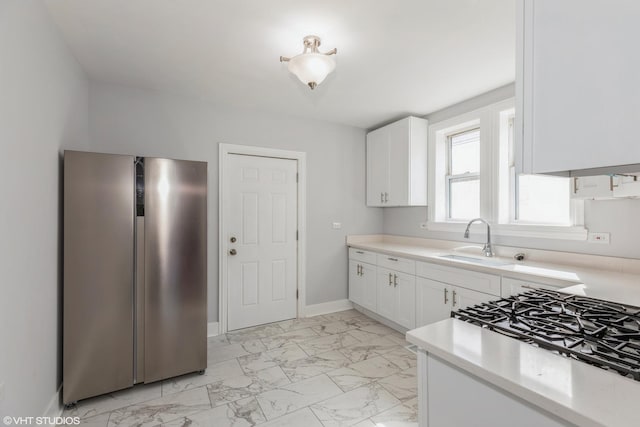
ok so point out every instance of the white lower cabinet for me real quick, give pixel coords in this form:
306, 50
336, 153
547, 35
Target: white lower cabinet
436, 300
396, 297
362, 284
433, 301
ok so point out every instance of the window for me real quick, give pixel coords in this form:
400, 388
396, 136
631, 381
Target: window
472, 174
463, 177
537, 199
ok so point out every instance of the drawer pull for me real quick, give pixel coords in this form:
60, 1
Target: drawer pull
395, 280
446, 292
393, 259
360, 252
454, 298
390, 279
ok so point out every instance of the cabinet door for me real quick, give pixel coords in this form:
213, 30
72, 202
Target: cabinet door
463, 298
369, 295
399, 175
378, 167
386, 293
355, 282
580, 85
433, 301
405, 300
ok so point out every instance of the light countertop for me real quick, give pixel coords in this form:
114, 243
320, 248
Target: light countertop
613, 279
573, 390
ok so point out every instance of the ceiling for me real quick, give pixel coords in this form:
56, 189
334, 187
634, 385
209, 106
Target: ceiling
395, 57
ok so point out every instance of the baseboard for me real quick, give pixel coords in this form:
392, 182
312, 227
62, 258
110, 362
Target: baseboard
328, 307
54, 408
213, 329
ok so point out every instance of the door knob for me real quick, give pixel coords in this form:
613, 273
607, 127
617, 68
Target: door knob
233, 240
232, 252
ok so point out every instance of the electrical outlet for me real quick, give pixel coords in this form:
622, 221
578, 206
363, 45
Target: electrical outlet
337, 225
599, 238
423, 225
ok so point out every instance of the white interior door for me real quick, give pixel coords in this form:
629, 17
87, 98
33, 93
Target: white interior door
260, 228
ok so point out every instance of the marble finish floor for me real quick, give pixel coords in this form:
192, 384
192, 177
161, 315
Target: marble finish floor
339, 369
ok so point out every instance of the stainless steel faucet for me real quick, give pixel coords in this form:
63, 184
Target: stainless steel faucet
487, 250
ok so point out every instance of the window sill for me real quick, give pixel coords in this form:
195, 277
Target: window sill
517, 230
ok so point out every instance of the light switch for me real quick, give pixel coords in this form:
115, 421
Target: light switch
337, 225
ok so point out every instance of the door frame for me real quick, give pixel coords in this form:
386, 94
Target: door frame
224, 151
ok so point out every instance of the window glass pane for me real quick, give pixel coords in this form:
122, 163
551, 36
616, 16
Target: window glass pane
544, 199
465, 152
464, 199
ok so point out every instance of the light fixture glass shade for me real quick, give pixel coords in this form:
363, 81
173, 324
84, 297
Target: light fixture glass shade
311, 68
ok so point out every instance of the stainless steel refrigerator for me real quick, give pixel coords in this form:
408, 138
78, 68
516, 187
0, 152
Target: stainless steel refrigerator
135, 271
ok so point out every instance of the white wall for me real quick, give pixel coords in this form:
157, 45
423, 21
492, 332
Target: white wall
134, 121
43, 108
618, 217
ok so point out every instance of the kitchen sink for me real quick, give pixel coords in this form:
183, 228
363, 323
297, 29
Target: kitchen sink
481, 261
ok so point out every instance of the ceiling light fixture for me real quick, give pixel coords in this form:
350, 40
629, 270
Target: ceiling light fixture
311, 66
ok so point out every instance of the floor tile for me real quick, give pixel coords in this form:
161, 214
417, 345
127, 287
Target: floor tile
217, 340
378, 329
366, 423
302, 323
221, 353
215, 372
116, 400
403, 385
247, 385
280, 401
361, 373
302, 418
301, 369
405, 415
369, 349
332, 328
242, 413
268, 359
342, 315
162, 410
398, 338
95, 421
294, 336
328, 343
402, 357
256, 332
354, 406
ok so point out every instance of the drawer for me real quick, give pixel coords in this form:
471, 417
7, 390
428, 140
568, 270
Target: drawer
397, 264
362, 255
516, 286
481, 282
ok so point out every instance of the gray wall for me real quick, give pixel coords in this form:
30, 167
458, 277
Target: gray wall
43, 108
618, 217
134, 121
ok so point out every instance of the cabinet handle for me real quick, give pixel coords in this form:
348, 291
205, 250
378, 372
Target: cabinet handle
390, 279
395, 280
393, 259
446, 293
381, 197
358, 269
575, 185
386, 197
360, 252
454, 298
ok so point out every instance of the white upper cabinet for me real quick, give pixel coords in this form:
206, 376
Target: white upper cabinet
577, 86
397, 164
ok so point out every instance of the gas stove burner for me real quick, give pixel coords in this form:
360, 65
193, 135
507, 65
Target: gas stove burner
602, 333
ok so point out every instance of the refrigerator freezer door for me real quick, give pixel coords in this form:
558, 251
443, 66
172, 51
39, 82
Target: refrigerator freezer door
98, 274
175, 268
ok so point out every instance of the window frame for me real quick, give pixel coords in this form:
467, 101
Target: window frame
494, 206
461, 177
